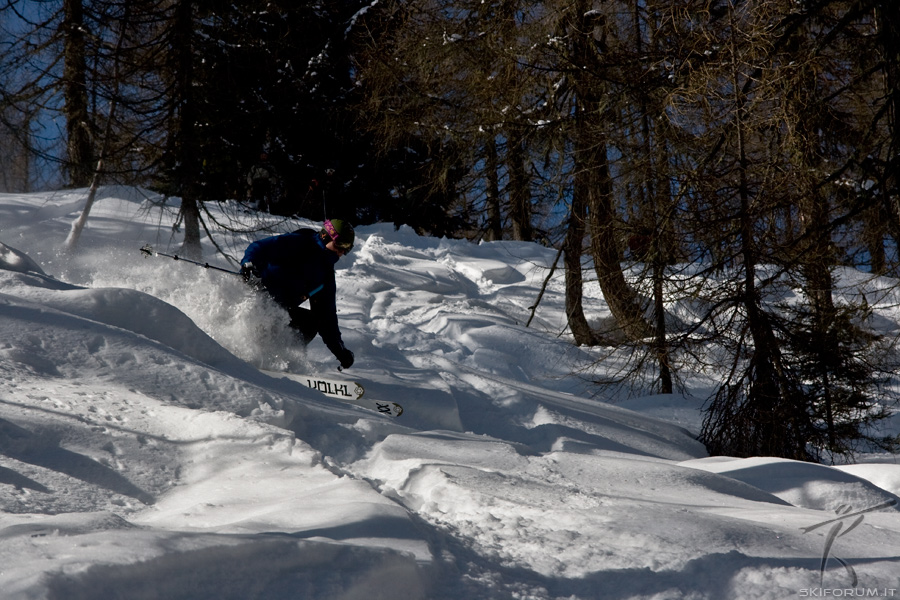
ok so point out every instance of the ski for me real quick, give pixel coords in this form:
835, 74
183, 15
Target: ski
350, 392
333, 388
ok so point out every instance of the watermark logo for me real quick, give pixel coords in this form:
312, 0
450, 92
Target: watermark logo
848, 593
840, 528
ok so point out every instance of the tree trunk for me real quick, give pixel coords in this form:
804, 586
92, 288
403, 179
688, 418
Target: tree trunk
660, 343
78, 225
519, 188
78, 129
888, 22
592, 175
495, 220
573, 248
189, 153
624, 303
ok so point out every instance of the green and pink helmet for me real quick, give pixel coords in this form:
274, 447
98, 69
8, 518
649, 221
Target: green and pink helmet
340, 232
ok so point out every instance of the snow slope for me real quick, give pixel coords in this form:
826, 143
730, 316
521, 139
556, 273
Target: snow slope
143, 454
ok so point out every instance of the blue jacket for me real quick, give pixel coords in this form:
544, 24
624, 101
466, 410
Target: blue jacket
295, 267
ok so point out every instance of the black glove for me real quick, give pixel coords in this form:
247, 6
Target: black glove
250, 274
346, 358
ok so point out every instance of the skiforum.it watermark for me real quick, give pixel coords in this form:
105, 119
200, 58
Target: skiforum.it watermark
848, 593
844, 514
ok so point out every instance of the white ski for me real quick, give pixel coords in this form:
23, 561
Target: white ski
350, 392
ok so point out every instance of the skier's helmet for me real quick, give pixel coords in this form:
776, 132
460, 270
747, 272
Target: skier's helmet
341, 233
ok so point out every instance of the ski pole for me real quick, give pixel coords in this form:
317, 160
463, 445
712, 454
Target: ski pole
148, 250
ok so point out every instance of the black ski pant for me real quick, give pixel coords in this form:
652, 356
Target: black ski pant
304, 322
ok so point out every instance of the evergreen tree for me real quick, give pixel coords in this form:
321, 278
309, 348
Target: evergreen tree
844, 371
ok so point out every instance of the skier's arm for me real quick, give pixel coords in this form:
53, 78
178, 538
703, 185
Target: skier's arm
324, 307
258, 253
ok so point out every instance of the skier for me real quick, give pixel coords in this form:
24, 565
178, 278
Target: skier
299, 266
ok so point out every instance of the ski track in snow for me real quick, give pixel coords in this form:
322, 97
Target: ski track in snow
143, 454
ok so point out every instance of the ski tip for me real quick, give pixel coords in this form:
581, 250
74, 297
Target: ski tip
391, 409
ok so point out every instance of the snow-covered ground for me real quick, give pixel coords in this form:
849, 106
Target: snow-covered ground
144, 455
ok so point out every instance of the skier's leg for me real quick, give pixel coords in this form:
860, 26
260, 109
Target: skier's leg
303, 321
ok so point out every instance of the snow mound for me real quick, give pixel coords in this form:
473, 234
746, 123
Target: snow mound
13, 260
803, 484
885, 476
